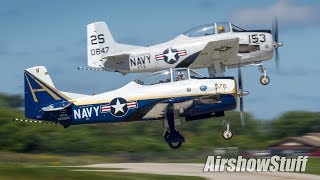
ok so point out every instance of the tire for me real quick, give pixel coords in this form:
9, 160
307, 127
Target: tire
264, 80
174, 145
227, 135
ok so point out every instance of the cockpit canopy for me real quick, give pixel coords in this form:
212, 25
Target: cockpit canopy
170, 75
213, 28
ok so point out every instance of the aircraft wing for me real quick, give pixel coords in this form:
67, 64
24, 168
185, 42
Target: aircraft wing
159, 110
221, 51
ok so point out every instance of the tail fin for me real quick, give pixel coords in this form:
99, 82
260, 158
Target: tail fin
40, 93
100, 43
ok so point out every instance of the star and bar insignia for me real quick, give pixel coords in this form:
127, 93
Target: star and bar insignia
171, 55
223, 48
118, 106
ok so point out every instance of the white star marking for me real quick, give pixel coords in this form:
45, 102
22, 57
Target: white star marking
118, 107
171, 55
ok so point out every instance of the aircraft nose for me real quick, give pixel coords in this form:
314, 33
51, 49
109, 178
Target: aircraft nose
280, 44
277, 44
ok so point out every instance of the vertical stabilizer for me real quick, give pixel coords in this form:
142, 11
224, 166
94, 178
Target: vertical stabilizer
100, 43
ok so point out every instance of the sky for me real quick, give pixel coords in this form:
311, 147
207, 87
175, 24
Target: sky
53, 34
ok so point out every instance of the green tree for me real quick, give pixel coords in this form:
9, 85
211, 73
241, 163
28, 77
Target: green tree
12, 101
295, 124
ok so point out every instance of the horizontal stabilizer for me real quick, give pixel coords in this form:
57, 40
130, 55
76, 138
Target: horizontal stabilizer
56, 106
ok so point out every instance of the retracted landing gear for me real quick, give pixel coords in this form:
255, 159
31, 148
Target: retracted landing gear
227, 134
264, 80
171, 135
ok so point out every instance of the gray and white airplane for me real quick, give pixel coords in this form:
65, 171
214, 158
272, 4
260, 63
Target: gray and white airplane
215, 46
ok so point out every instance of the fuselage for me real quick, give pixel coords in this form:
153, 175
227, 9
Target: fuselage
145, 98
255, 46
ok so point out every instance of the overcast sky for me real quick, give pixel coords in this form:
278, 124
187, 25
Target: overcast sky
53, 34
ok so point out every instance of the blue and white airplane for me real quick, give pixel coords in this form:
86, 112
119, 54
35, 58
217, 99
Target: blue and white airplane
163, 95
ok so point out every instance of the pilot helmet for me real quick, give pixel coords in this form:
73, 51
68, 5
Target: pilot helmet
221, 28
180, 73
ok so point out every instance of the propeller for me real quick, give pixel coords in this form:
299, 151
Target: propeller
276, 43
241, 93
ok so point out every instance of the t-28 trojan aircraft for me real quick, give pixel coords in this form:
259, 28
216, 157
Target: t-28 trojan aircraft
167, 95
214, 46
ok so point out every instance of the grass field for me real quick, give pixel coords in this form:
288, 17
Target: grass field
22, 166
37, 166
313, 166
76, 159
8, 172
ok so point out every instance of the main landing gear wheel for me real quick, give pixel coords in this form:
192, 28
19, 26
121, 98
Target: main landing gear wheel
172, 145
264, 80
171, 135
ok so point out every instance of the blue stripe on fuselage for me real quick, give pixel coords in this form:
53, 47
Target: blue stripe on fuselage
87, 114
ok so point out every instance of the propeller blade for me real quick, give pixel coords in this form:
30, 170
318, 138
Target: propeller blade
277, 59
276, 35
277, 44
239, 77
240, 93
241, 112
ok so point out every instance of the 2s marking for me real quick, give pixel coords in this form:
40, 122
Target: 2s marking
95, 39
